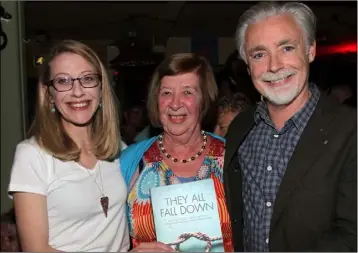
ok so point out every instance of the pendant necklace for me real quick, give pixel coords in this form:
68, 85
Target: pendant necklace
104, 201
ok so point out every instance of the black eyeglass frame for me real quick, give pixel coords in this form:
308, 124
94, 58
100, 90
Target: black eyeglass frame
51, 82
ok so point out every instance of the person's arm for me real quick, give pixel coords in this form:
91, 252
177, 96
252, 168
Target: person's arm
146, 246
32, 222
152, 247
343, 234
28, 187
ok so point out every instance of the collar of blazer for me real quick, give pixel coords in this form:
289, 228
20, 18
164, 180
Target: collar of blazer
313, 142
243, 123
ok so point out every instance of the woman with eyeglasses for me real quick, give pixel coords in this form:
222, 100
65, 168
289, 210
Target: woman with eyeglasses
68, 192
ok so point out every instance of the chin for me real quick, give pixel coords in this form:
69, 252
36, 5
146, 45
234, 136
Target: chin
79, 122
80, 118
82, 123
281, 99
281, 96
176, 130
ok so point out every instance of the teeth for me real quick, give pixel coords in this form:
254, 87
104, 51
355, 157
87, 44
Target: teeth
177, 117
78, 105
275, 78
276, 81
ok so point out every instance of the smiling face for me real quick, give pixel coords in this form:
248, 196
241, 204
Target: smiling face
78, 105
277, 59
179, 102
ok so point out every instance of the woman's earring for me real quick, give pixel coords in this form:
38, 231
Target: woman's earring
52, 108
100, 104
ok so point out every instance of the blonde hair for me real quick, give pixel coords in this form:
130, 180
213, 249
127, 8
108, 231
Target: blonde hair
47, 127
177, 64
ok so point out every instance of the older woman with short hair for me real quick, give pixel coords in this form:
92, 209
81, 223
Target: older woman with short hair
180, 93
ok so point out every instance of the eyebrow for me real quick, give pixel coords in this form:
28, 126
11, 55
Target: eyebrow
285, 42
191, 87
87, 71
280, 43
164, 87
257, 48
83, 72
185, 87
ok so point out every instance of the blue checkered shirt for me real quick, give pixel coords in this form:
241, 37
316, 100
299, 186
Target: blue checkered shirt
263, 158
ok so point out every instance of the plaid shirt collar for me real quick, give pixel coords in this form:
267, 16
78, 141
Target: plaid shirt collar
300, 119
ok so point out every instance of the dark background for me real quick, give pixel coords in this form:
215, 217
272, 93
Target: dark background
136, 27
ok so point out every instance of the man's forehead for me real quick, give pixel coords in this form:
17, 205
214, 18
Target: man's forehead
276, 33
284, 24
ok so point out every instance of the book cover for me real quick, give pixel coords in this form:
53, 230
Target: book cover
186, 216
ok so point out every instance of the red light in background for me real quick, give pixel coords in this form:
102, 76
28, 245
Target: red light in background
116, 73
348, 47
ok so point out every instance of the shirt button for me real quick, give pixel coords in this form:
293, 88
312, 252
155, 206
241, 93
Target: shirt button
268, 204
267, 240
269, 168
276, 135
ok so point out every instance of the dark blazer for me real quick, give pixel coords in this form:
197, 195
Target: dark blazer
316, 204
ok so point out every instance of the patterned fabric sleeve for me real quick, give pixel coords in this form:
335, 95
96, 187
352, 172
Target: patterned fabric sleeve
156, 173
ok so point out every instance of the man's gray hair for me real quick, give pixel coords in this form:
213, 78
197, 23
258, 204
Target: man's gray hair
301, 13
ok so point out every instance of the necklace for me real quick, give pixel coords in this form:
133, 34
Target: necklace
192, 158
104, 201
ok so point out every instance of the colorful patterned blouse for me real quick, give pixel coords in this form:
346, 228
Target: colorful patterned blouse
157, 173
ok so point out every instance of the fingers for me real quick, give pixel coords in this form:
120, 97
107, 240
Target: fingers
153, 247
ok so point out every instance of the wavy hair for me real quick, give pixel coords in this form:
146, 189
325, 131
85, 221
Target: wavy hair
300, 12
47, 126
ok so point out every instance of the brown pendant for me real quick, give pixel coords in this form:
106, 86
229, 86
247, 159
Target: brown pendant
104, 204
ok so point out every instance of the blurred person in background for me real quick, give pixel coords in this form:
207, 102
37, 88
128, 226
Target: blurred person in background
234, 78
9, 236
228, 108
134, 119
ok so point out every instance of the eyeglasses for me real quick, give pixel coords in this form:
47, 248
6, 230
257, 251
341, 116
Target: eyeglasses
65, 83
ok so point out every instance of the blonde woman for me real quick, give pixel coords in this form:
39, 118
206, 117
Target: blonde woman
68, 192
